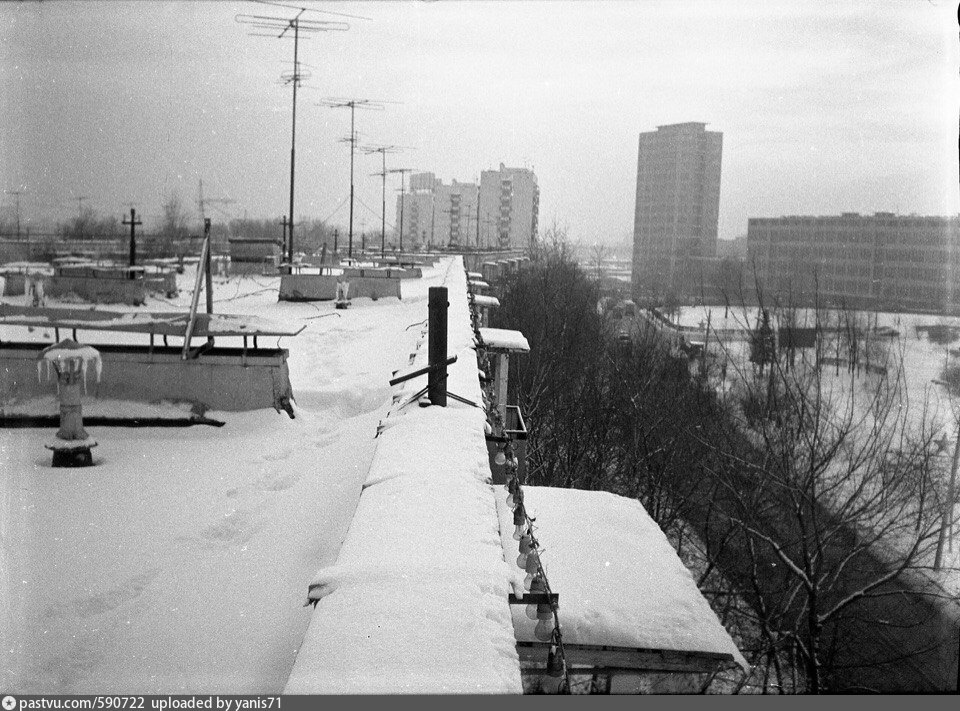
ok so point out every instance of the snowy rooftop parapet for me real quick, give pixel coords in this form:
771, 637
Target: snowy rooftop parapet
504, 340
170, 323
417, 599
621, 584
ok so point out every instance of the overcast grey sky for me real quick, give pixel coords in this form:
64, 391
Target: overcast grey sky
824, 106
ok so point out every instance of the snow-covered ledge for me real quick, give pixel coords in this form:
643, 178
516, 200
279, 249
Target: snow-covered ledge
417, 600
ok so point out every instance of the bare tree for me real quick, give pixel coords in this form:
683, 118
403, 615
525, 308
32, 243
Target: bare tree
173, 223
838, 504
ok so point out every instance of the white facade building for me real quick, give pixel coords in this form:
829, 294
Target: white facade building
509, 207
501, 212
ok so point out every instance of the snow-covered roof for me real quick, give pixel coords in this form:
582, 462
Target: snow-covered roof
504, 340
620, 582
417, 599
170, 323
486, 301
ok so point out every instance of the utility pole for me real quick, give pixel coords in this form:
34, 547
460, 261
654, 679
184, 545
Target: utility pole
291, 27
283, 247
133, 222
353, 105
382, 150
403, 172
17, 194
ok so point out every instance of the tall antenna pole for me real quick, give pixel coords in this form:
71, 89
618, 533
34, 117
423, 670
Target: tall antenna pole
403, 172
353, 145
383, 206
295, 80
271, 24
353, 105
382, 150
202, 202
17, 194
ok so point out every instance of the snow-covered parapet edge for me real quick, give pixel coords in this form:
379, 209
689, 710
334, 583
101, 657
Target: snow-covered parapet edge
417, 599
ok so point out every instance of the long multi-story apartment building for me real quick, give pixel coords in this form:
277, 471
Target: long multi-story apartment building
677, 209
880, 261
500, 212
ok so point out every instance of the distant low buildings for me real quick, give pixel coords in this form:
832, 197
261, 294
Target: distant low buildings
881, 261
501, 212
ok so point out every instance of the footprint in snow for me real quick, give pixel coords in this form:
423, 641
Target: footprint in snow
277, 456
107, 600
237, 527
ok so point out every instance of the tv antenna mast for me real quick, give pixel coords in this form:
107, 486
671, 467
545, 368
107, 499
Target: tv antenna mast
353, 105
383, 150
403, 172
202, 202
285, 28
80, 199
17, 194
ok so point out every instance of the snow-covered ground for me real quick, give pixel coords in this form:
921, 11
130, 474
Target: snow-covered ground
923, 362
180, 562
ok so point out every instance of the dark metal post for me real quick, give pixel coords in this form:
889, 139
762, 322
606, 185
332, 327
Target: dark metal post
133, 238
353, 143
209, 273
437, 345
383, 207
293, 135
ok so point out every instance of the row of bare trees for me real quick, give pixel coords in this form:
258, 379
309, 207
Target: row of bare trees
811, 494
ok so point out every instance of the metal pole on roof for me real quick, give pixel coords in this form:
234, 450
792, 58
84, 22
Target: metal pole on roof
133, 237
437, 345
209, 272
353, 105
266, 26
195, 300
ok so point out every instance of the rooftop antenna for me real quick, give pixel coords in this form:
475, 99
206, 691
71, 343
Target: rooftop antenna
353, 105
281, 28
202, 202
382, 150
17, 194
403, 172
80, 199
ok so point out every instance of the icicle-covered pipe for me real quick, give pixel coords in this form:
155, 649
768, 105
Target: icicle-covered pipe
66, 356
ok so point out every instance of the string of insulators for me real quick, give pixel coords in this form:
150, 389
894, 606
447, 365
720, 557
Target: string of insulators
557, 679
545, 613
